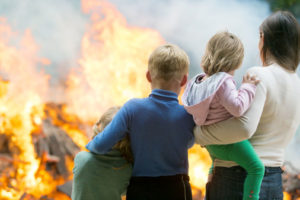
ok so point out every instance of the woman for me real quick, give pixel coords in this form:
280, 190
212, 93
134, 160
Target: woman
271, 121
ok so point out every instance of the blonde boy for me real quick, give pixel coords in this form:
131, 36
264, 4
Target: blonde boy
160, 131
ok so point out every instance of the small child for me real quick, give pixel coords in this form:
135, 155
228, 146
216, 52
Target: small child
103, 176
160, 130
213, 97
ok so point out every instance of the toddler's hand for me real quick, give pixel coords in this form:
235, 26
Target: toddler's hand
248, 78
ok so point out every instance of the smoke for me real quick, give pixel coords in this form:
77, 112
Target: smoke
58, 26
190, 24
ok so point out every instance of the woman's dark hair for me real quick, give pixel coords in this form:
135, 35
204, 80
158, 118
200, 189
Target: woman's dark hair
281, 33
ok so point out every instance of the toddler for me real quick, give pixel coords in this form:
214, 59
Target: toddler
212, 97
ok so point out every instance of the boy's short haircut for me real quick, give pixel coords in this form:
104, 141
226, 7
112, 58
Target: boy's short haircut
123, 145
224, 53
168, 62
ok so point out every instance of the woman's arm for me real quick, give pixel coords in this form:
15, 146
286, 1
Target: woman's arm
235, 129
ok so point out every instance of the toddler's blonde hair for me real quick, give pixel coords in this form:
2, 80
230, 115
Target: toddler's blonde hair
123, 145
168, 62
224, 53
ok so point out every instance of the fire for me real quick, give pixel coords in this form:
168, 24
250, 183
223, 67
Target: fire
112, 70
113, 67
286, 196
200, 162
23, 88
113, 63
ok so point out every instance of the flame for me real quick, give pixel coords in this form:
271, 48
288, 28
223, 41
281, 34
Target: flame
286, 196
113, 63
112, 70
22, 89
200, 162
113, 67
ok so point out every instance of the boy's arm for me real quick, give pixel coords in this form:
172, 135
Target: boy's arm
236, 102
113, 132
235, 129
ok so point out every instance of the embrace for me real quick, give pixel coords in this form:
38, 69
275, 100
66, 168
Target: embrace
141, 148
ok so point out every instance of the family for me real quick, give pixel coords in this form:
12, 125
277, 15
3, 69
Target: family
141, 148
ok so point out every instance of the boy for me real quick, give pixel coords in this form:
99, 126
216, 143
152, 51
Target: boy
160, 131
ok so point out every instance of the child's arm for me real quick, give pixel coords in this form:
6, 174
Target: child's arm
236, 102
235, 129
113, 132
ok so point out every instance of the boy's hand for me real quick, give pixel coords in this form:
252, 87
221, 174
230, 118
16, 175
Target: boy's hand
252, 79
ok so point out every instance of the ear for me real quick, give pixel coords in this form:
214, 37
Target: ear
148, 76
183, 80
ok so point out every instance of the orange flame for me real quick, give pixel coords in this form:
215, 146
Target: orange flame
113, 63
23, 88
113, 67
112, 70
200, 162
286, 196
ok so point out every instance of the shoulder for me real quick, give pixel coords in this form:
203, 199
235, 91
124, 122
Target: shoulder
82, 158
264, 75
259, 71
83, 155
134, 104
185, 116
226, 83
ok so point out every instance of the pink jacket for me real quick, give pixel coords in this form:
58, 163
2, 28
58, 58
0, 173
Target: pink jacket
216, 98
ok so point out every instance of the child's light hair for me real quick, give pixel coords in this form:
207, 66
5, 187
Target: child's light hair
224, 53
168, 62
124, 145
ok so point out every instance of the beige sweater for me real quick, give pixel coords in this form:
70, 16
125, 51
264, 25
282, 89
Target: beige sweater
270, 122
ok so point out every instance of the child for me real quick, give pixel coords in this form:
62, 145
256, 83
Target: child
160, 131
103, 176
213, 97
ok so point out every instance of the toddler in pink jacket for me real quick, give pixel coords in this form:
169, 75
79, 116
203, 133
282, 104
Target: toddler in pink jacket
212, 97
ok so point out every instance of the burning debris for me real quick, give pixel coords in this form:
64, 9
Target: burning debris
291, 182
55, 150
39, 140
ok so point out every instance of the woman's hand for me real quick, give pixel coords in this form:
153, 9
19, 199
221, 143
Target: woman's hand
250, 78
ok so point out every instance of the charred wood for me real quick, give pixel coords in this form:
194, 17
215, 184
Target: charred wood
66, 188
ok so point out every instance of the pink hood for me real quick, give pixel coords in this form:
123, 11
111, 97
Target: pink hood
198, 95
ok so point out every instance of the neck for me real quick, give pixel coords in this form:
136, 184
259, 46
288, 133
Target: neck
172, 86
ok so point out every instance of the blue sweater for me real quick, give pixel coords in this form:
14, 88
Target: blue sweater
160, 130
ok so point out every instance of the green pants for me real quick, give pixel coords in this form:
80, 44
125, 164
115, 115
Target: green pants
243, 154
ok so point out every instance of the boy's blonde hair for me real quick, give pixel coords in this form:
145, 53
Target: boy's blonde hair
168, 62
224, 53
123, 145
